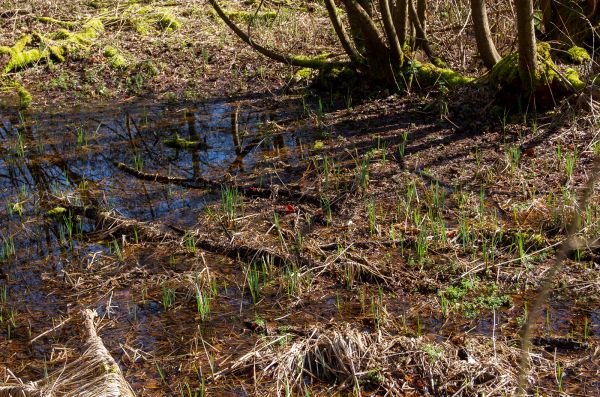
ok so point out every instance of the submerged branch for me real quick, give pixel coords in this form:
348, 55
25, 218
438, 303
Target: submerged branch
203, 183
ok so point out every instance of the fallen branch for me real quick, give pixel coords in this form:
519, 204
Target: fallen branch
203, 183
303, 62
116, 225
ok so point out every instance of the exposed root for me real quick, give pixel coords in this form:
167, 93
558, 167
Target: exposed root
95, 374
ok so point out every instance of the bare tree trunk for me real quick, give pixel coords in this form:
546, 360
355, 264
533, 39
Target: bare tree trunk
422, 14
528, 64
400, 17
390, 31
483, 37
376, 51
421, 36
348, 46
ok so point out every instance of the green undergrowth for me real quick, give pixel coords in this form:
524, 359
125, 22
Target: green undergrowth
471, 296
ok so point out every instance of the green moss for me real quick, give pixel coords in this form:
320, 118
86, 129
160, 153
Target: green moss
318, 145
57, 53
115, 58
46, 49
25, 97
339, 80
439, 63
148, 19
304, 73
573, 77
314, 62
252, 18
61, 34
578, 55
56, 211
431, 74
506, 72
167, 21
178, 142
64, 24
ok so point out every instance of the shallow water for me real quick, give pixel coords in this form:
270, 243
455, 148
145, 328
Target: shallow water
49, 271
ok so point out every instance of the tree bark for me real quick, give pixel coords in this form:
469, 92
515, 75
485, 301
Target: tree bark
421, 35
483, 37
422, 14
400, 18
348, 46
528, 64
390, 31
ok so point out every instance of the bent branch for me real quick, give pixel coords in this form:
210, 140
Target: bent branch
303, 62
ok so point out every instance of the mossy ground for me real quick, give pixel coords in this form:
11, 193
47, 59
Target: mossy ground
148, 48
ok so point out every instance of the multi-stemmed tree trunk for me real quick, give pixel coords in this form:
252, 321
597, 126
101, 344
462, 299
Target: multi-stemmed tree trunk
374, 35
483, 37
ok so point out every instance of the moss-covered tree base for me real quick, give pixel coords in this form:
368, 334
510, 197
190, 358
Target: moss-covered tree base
549, 85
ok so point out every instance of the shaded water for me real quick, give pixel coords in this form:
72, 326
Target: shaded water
73, 154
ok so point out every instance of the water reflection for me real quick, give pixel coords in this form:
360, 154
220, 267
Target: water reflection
57, 154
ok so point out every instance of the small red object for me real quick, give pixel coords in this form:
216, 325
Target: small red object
252, 188
290, 208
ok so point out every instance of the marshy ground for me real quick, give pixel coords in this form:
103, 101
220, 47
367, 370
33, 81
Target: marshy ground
242, 234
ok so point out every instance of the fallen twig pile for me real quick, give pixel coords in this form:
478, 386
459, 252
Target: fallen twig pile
95, 374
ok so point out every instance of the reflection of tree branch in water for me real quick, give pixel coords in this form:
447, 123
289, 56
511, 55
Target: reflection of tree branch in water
203, 183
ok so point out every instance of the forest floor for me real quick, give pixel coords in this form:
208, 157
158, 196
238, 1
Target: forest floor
241, 233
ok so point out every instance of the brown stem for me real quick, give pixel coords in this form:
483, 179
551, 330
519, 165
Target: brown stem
422, 40
528, 64
400, 15
369, 29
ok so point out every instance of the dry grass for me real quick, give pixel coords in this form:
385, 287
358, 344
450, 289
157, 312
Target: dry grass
348, 358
